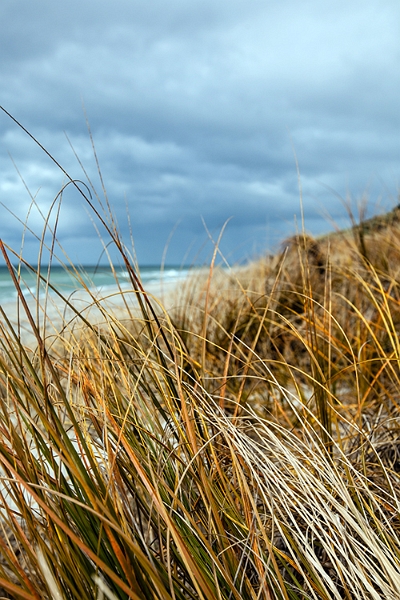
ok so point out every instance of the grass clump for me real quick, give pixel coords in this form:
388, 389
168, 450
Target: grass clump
242, 444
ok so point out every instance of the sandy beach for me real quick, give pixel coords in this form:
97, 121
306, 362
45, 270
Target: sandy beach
53, 315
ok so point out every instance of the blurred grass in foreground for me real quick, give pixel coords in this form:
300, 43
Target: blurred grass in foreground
243, 444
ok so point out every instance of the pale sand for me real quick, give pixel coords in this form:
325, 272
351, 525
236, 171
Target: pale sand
54, 316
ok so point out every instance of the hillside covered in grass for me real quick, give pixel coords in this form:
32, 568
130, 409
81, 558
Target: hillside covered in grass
239, 441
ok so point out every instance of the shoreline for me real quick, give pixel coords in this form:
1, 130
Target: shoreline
95, 306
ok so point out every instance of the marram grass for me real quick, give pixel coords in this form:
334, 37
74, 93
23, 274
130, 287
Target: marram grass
240, 443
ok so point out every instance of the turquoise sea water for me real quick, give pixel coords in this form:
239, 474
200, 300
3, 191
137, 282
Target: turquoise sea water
99, 278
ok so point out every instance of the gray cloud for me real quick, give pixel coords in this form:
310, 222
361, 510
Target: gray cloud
199, 111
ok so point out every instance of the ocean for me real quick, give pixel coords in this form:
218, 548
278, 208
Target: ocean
100, 279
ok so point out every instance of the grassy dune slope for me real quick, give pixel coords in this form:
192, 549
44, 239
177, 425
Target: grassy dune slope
243, 444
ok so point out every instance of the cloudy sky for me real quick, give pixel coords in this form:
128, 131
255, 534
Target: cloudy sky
199, 110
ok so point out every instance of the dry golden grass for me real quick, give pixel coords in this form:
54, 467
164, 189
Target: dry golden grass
241, 445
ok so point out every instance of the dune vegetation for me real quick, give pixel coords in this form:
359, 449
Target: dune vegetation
238, 442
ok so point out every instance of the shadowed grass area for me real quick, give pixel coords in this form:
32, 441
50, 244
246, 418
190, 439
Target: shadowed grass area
240, 442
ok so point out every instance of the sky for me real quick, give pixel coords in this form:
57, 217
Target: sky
207, 117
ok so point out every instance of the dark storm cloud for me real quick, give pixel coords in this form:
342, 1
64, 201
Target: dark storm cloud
199, 111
